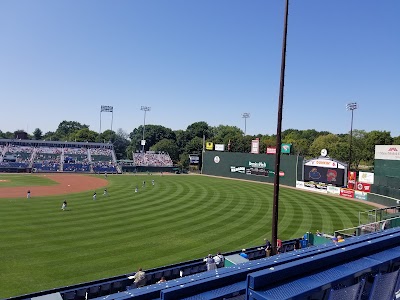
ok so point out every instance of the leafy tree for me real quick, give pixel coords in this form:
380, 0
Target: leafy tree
328, 142
199, 129
6, 135
84, 135
195, 145
183, 161
153, 134
121, 142
373, 138
65, 128
52, 136
396, 140
37, 134
167, 146
182, 138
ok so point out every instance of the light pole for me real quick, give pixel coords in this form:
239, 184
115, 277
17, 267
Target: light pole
351, 106
245, 116
145, 109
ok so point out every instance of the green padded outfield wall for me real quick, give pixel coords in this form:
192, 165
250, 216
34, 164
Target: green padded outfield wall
247, 165
387, 178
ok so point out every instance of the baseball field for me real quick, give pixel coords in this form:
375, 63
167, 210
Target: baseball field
180, 217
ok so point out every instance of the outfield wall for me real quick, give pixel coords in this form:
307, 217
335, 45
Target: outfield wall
256, 167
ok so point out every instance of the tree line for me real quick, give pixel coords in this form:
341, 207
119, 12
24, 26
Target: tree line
180, 143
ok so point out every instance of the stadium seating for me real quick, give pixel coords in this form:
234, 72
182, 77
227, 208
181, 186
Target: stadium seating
311, 271
152, 159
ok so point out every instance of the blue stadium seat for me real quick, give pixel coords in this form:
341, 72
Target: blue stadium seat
105, 289
69, 295
384, 286
352, 292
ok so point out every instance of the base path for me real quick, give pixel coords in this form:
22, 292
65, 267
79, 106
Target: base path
67, 184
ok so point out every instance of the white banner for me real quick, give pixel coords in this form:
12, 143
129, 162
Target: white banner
333, 190
389, 152
219, 147
324, 163
309, 187
366, 177
255, 146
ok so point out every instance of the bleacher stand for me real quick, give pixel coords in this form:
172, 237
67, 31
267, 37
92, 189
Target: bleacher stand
152, 159
102, 160
76, 160
47, 159
16, 156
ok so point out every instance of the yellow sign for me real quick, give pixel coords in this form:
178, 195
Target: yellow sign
209, 146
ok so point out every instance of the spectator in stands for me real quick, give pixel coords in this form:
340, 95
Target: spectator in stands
28, 194
243, 254
210, 263
139, 278
219, 260
162, 280
64, 205
268, 248
297, 245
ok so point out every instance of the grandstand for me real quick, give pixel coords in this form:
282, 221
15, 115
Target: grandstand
53, 156
152, 159
370, 262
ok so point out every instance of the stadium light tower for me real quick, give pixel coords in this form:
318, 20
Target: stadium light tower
245, 116
351, 106
145, 109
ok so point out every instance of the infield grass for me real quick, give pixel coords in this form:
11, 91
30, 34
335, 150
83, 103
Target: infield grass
180, 218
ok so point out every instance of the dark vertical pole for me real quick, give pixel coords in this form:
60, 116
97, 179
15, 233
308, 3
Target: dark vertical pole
278, 137
351, 138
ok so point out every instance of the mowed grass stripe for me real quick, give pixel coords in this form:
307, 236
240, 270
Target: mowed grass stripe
180, 218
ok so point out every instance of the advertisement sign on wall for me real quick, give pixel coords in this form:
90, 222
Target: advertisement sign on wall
219, 147
255, 146
311, 186
271, 150
347, 193
389, 152
351, 179
209, 146
364, 187
333, 190
324, 163
285, 148
366, 177
360, 195
194, 159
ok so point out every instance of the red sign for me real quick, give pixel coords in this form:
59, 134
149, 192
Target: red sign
271, 150
364, 187
351, 179
347, 193
281, 173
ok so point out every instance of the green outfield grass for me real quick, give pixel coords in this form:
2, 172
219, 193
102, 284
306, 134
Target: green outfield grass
182, 217
14, 180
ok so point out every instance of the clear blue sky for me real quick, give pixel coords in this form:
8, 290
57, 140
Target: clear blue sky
208, 60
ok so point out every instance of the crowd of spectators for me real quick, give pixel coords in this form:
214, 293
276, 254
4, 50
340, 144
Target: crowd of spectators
50, 159
47, 159
152, 159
